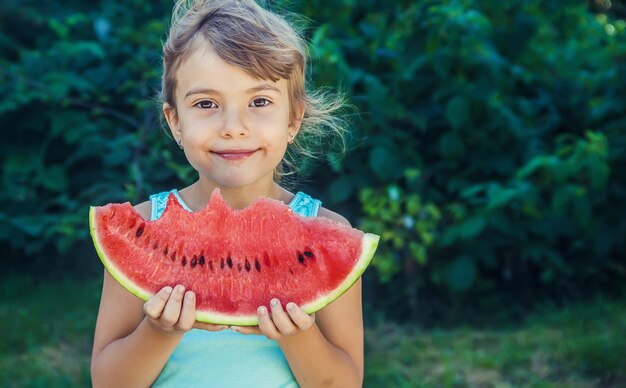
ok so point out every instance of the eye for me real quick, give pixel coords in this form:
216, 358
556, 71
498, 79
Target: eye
206, 104
260, 102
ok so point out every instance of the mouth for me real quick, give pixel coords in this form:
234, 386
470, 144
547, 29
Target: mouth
234, 154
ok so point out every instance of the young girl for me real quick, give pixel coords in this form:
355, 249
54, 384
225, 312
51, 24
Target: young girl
235, 101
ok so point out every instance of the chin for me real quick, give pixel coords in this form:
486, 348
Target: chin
235, 181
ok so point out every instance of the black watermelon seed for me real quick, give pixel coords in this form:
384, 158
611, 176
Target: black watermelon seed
257, 265
211, 265
247, 266
201, 260
165, 251
239, 267
140, 230
222, 264
300, 258
194, 262
184, 261
309, 254
173, 257
229, 261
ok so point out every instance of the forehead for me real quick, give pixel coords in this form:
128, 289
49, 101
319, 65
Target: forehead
205, 69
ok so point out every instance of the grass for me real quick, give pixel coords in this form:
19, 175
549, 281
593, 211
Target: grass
580, 346
47, 330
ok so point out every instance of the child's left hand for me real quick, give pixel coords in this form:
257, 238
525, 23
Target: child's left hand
279, 324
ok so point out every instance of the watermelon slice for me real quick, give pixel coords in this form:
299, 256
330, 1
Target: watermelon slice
234, 260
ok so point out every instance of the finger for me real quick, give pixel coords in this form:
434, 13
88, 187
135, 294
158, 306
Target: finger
154, 306
208, 326
281, 319
172, 307
247, 329
187, 312
266, 325
298, 316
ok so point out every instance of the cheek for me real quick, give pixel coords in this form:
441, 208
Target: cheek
196, 131
272, 132
275, 147
275, 139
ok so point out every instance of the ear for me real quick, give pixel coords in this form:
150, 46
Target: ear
294, 126
171, 116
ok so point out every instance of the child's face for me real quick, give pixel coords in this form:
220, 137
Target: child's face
234, 128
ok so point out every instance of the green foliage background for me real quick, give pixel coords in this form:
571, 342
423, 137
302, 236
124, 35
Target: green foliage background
488, 151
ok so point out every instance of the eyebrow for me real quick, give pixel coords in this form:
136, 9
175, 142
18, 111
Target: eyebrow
255, 89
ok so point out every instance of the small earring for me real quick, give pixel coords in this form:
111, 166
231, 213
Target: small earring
179, 141
291, 137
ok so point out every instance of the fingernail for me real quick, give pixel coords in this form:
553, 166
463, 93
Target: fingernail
180, 289
167, 289
189, 295
274, 302
291, 306
261, 310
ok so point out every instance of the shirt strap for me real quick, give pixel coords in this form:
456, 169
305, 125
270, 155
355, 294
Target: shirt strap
305, 205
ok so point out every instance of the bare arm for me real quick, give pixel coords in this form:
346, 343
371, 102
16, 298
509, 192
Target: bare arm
330, 353
322, 350
133, 340
128, 351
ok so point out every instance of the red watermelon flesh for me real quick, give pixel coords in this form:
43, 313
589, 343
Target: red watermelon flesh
234, 260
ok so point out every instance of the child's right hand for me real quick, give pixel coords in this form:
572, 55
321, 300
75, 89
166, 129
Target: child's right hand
173, 310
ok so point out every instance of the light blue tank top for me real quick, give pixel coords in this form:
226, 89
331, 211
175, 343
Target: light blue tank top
226, 358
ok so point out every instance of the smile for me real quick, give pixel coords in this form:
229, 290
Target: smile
234, 154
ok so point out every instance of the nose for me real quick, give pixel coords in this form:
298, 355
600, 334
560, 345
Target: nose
234, 124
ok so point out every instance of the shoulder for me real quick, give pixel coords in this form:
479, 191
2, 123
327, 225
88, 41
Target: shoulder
144, 209
323, 212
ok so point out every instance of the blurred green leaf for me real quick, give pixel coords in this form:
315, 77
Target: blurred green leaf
383, 163
341, 189
458, 112
460, 274
451, 146
53, 178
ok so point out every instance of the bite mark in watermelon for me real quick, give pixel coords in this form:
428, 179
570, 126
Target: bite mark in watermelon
233, 260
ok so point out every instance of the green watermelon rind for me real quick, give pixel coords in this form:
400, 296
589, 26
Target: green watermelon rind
113, 270
369, 243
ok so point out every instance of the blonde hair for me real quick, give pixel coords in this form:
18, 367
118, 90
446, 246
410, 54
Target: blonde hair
266, 46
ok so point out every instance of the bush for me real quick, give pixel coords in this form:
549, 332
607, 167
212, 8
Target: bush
487, 153
490, 149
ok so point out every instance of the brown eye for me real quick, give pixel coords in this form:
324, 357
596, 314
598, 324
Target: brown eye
260, 102
205, 104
